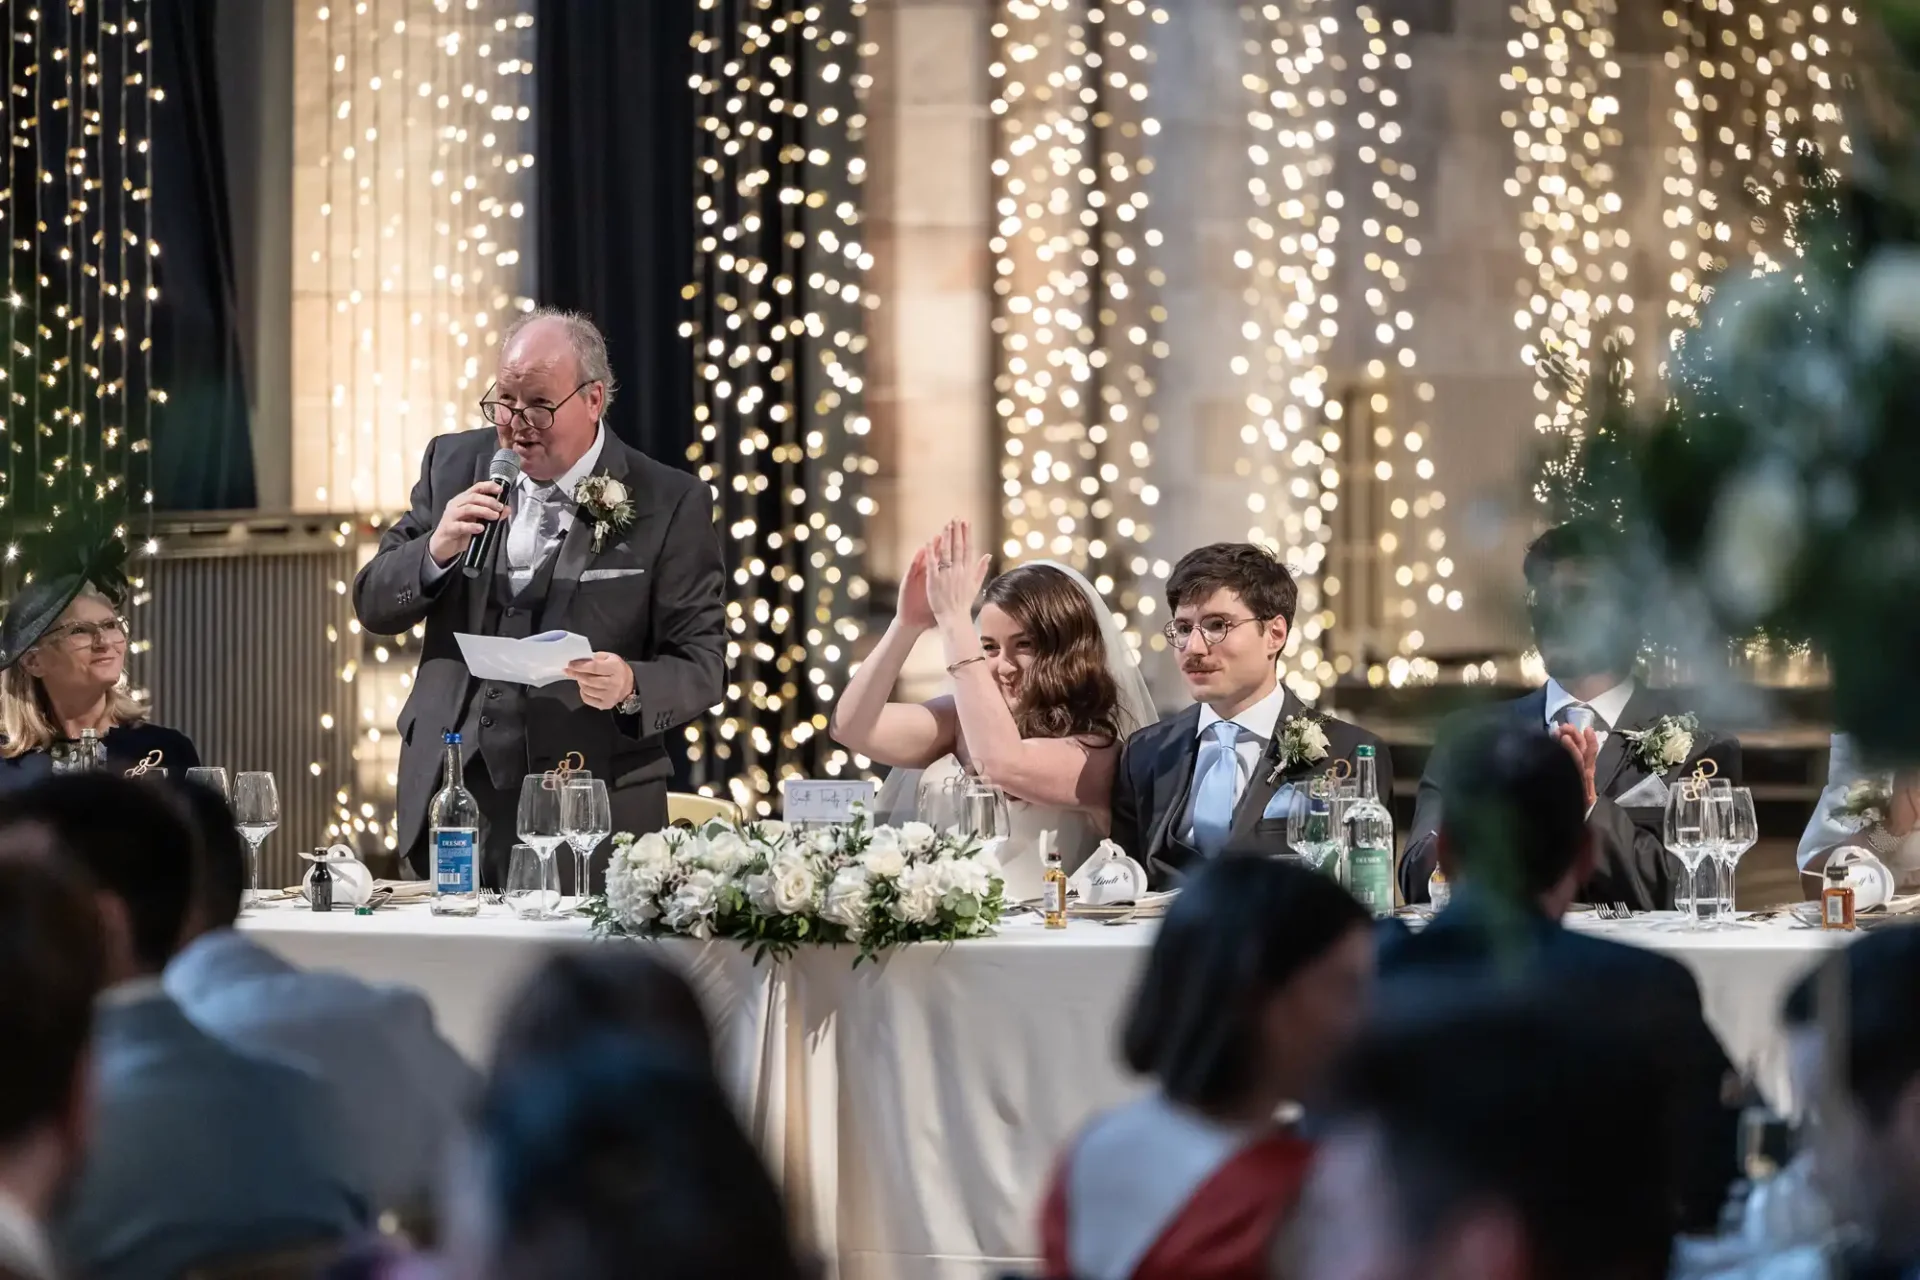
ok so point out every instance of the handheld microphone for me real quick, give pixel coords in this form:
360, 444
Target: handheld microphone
503, 471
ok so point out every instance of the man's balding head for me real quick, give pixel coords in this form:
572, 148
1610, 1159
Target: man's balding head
556, 359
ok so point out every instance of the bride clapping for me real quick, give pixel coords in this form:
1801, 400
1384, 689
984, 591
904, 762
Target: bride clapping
1044, 692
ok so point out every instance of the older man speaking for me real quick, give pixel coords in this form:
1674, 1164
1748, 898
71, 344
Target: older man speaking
598, 539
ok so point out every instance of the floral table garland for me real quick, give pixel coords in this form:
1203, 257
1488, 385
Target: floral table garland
772, 887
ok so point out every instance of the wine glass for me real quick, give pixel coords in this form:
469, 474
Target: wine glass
539, 822
256, 812
213, 778
586, 818
1690, 836
1741, 833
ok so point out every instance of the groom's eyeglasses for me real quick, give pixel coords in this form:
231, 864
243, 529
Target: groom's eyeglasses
1213, 630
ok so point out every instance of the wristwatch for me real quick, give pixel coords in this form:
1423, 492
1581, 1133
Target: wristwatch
631, 707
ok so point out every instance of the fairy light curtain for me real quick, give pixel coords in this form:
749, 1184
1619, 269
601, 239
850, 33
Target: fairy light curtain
778, 305
76, 426
1077, 317
1336, 426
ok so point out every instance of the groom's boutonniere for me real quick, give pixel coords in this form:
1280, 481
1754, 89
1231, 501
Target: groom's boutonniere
1663, 744
1302, 741
603, 500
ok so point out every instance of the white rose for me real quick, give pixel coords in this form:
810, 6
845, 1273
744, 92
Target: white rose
961, 878
793, 885
1679, 747
847, 899
759, 891
821, 841
653, 847
920, 894
775, 832
690, 851
727, 853
883, 858
1314, 739
613, 493
917, 837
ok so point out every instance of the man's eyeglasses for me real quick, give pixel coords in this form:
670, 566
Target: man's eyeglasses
538, 417
85, 635
1213, 630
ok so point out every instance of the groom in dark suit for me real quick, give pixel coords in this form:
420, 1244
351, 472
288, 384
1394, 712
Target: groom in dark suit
1589, 637
631, 562
1203, 783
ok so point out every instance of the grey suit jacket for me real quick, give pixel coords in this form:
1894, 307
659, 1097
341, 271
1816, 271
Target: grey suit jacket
404, 1090
1155, 777
654, 594
1633, 864
199, 1152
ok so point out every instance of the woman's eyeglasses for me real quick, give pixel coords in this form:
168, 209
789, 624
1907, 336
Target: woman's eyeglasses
1213, 630
85, 635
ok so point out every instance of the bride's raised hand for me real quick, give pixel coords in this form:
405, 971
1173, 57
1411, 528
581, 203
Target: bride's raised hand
913, 609
954, 574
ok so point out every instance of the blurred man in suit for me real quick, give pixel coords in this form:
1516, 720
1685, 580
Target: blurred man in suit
1210, 780
631, 562
50, 972
405, 1091
1487, 1139
198, 1151
1515, 839
1589, 637
1866, 1146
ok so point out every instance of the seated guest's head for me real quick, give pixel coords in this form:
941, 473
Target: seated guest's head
63, 651
1257, 979
1515, 819
1581, 607
590, 991
135, 847
610, 1148
219, 863
50, 971
1232, 606
1868, 1118
1489, 1141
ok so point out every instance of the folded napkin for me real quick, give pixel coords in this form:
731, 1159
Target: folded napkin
1872, 882
1109, 877
352, 882
1648, 793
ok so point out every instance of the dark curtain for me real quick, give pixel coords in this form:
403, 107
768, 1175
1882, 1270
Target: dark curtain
615, 123
202, 448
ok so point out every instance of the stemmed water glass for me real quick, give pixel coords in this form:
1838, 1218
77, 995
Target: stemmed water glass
1741, 833
1691, 830
1720, 873
586, 818
538, 819
256, 812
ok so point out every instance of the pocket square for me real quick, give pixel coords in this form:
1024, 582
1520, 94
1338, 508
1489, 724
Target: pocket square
1649, 793
603, 575
1282, 803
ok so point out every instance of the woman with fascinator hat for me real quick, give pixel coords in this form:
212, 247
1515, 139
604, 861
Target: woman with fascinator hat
1044, 691
63, 658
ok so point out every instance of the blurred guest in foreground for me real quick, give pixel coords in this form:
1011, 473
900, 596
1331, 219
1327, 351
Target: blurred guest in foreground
605, 1145
404, 1090
1515, 840
50, 971
199, 1152
1622, 734
63, 653
1257, 980
1488, 1142
1867, 1116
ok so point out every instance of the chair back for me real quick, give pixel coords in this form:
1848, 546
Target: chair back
685, 809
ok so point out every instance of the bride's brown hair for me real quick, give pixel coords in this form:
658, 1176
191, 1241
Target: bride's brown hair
1067, 691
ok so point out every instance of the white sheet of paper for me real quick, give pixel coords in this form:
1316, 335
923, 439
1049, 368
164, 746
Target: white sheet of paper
537, 660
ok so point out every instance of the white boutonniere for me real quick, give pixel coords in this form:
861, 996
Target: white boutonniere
1663, 744
1303, 740
603, 500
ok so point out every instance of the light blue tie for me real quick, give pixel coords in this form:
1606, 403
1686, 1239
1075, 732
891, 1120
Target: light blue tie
1218, 773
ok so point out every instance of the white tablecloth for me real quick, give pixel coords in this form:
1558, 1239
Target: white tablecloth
913, 1108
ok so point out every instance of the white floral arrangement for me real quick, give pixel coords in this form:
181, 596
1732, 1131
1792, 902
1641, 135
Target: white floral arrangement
603, 500
1867, 803
1303, 740
1663, 744
772, 887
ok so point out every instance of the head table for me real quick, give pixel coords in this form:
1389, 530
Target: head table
913, 1108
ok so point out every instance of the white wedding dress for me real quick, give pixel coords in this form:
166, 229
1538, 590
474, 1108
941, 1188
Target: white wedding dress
928, 795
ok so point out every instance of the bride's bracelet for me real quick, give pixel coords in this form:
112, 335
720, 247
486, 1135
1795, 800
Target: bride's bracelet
953, 667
